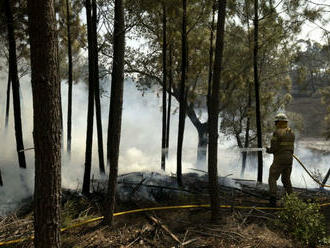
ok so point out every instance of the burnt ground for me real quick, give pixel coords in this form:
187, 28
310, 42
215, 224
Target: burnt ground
168, 228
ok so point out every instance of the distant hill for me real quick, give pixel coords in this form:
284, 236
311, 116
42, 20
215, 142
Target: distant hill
312, 111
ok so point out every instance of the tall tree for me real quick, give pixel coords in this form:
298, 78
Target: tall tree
116, 105
256, 86
170, 83
69, 121
15, 84
247, 131
90, 111
182, 97
213, 110
8, 99
97, 88
163, 152
46, 121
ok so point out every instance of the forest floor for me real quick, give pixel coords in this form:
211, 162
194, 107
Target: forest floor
189, 227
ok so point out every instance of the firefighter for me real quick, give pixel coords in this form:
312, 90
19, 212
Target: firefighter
282, 146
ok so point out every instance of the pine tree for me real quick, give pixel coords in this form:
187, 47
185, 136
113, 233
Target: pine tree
116, 105
15, 84
213, 110
46, 121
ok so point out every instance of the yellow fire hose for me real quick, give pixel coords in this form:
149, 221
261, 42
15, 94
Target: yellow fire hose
10, 242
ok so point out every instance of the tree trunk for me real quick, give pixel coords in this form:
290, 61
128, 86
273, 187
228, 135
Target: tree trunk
211, 53
15, 84
202, 130
202, 145
97, 90
46, 121
8, 100
182, 97
325, 179
1, 182
213, 110
256, 85
90, 111
69, 121
169, 101
163, 152
247, 131
116, 105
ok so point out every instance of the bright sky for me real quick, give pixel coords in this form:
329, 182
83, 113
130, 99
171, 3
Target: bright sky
315, 31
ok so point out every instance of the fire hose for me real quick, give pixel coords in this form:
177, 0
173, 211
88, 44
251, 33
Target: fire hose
295, 157
315, 179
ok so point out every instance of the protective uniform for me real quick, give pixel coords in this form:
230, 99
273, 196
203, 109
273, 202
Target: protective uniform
282, 146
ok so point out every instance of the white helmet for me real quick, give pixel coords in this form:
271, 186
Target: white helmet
281, 117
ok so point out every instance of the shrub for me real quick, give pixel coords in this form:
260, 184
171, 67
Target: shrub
303, 221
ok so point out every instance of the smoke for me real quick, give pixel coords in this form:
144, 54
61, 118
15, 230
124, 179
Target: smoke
140, 148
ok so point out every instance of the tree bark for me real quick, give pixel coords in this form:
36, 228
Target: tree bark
90, 111
213, 110
202, 145
116, 105
182, 97
97, 90
69, 121
163, 152
1, 182
15, 84
47, 122
8, 99
256, 85
211, 53
247, 131
169, 100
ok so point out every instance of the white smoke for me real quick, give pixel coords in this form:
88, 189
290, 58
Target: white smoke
140, 148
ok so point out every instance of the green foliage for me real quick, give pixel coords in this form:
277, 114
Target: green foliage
303, 221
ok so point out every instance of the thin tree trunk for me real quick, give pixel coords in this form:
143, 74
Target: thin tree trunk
47, 122
211, 53
90, 111
256, 85
182, 98
213, 110
1, 182
248, 121
97, 90
163, 152
202, 145
169, 101
247, 131
15, 84
69, 121
116, 105
8, 99
325, 178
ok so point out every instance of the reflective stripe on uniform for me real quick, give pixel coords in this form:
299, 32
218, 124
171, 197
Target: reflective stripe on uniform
288, 143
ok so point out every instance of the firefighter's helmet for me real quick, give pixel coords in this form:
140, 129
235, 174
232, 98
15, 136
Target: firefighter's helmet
281, 117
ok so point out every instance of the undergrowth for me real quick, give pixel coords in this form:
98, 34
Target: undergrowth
303, 221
